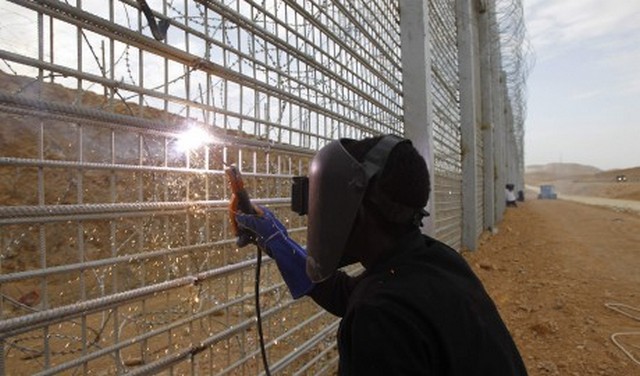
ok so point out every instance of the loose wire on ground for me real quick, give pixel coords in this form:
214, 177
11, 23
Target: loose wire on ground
625, 310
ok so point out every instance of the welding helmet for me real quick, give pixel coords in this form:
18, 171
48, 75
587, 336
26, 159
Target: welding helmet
337, 185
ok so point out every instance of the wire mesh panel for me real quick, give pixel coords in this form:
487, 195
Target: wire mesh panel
117, 254
446, 122
129, 262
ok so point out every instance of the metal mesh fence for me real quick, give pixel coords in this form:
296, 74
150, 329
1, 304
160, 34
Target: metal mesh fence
446, 122
116, 249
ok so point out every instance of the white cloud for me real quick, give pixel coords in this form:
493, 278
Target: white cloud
554, 23
601, 37
585, 84
587, 95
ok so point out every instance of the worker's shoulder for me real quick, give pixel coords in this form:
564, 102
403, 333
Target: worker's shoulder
433, 271
427, 269
438, 255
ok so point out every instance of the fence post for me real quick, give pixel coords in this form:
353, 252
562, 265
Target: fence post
467, 65
500, 110
512, 148
416, 70
486, 110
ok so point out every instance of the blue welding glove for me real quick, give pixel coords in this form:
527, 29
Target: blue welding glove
272, 237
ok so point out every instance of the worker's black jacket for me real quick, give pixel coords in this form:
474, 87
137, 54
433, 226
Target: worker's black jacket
421, 312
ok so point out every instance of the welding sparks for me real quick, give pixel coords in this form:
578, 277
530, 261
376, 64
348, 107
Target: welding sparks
192, 139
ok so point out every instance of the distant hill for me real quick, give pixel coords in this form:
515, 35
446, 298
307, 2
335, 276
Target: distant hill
557, 171
632, 174
582, 180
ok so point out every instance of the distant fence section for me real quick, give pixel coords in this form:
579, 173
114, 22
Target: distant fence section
117, 253
445, 122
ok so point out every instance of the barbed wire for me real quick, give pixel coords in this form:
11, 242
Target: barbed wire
517, 58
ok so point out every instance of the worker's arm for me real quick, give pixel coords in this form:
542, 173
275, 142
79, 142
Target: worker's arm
333, 294
271, 236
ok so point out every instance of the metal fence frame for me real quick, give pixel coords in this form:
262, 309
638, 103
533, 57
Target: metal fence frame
116, 252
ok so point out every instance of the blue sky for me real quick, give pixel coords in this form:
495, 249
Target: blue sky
584, 90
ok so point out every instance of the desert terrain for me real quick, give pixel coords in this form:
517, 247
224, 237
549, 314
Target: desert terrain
565, 278
580, 180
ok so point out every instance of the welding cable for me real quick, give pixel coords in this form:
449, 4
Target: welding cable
263, 351
614, 339
623, 309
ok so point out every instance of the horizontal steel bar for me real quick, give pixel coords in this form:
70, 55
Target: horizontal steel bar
297, 351
17, 102
304, 370
84, 112
330, 365
187, 353
112, 261
361, 59
28, 162
26, 323
84, 217
38, 213
74, 209
91, 22
256, 30
304, 347
376, 39
67, 72
150, 334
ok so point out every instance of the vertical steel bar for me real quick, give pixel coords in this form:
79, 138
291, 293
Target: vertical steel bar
51, 47
116, 270
140, 77
80, 232
487, 98
188, 224
41, 196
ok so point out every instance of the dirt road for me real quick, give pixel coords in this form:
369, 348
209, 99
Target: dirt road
616, 204
552, 269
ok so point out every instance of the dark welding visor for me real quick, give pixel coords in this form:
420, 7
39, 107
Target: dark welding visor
336, 187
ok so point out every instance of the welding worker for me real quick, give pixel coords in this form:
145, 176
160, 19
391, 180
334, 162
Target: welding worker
418, 308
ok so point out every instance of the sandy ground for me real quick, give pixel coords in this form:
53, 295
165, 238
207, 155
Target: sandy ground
552, 269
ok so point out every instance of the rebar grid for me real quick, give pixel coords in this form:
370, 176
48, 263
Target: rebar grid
298, 73
122, 238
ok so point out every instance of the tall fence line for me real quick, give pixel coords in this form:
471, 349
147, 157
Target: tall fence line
117, 255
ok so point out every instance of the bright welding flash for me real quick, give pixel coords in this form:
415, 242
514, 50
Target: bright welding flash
193, 138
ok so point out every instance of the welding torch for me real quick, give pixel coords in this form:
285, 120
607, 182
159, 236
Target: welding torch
239, 201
